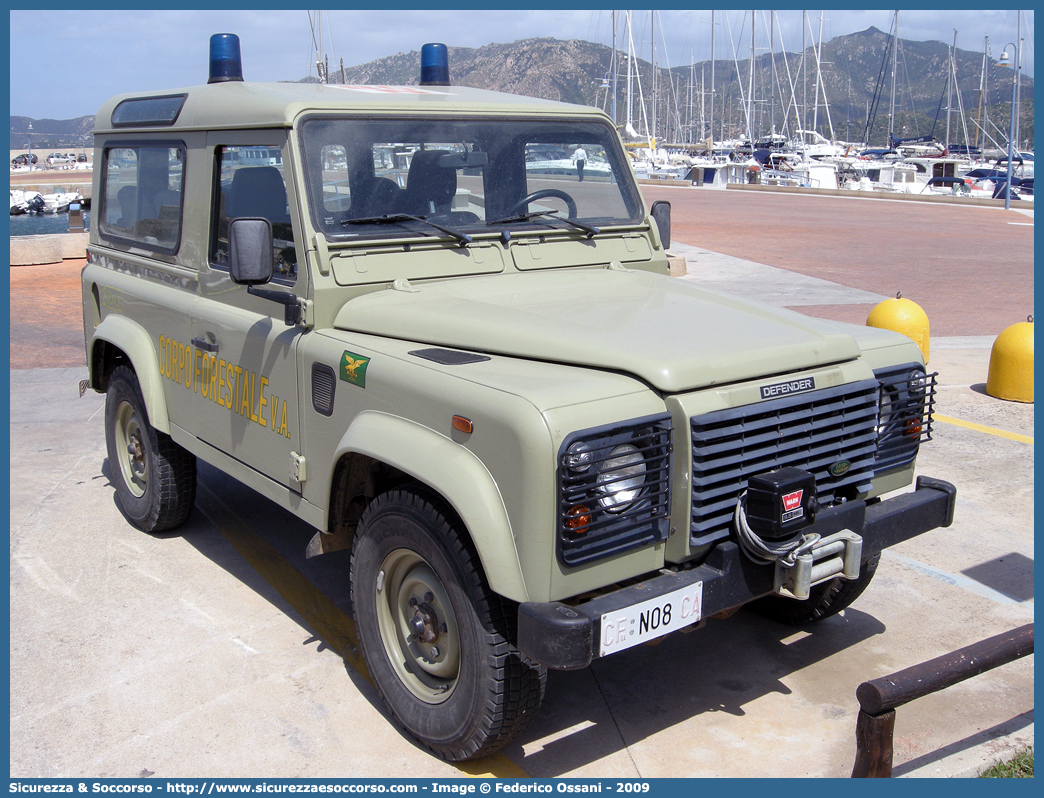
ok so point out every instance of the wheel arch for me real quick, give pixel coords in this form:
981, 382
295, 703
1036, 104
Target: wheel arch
378, 450
119, 340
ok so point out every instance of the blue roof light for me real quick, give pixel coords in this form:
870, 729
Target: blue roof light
434, 65
226, 63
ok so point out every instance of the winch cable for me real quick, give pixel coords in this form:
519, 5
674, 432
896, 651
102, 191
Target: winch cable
763, 552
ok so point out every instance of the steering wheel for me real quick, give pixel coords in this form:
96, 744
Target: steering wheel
522, 206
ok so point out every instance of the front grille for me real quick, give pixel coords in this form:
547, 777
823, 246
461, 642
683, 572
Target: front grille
587, 528
825, 431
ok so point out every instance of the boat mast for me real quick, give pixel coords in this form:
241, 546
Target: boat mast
321, 64
1018, 75
982, 84
652, 48
712, 85
775, 79
804, 73
949, 88
815, 52
750, 84
820, 85
630, 61
614, 67
895, 57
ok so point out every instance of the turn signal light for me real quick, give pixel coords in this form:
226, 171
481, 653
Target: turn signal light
913, 428
578, 519
463, 424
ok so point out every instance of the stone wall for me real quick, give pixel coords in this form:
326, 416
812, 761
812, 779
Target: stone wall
34, 250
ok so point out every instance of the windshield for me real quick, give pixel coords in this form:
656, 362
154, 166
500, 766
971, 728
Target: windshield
387, 177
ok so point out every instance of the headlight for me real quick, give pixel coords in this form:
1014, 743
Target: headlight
579, 457
884, 412
613, 489
621, 478
904, 417
918, 382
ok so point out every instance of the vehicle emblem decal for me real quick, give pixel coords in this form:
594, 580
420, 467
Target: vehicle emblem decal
785, 388
112, 299
353, 368
840, 468
792, 508
792, 501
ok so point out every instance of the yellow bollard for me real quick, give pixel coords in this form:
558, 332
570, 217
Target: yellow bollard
903, 316
1011, 364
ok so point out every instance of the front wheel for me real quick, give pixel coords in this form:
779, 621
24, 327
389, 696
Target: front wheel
155, 479
824, 600
436, 639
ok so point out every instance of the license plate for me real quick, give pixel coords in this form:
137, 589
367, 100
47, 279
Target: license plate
651, 619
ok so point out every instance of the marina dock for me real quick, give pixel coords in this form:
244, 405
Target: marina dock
219, 650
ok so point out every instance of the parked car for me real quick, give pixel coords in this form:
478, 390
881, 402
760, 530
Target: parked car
24, 160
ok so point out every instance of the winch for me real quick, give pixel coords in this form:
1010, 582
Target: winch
770, 519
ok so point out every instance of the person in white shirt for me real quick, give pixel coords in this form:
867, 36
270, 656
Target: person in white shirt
580, 158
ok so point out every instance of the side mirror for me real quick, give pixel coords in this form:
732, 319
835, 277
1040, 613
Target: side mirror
661, 214
250, 251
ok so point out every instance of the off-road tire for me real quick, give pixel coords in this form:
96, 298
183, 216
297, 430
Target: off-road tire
155, 479
478, 692
823, 601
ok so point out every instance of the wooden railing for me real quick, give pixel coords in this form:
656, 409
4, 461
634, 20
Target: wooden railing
879, 698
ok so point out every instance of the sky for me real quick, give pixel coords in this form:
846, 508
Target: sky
66, 63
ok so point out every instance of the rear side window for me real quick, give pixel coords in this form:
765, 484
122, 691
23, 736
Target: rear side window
142, 196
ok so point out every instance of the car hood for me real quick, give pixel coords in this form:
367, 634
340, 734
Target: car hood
667, 332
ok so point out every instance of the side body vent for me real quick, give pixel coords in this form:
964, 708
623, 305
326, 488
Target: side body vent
324, 381
449, 357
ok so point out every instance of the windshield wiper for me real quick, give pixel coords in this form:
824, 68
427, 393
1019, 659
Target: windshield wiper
525, 217
396, 218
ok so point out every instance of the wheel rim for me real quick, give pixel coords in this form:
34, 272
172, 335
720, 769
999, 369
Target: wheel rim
417, 625
130, 450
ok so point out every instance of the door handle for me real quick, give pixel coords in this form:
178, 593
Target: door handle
202, 343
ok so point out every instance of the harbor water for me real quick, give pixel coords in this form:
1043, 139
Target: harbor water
49, 223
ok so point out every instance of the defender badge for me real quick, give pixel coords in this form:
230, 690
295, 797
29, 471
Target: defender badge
840, 468
353, 368
785, 388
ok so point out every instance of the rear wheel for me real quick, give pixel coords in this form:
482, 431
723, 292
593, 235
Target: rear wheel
824, 600
155, 479
436, 639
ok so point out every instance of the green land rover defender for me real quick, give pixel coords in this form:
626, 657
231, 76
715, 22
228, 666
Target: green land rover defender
398, 313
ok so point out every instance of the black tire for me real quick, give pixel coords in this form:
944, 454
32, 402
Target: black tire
824, 600
155, 479
454, 679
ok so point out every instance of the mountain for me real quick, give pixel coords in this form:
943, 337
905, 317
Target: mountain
51, 133
552, 69
854, 66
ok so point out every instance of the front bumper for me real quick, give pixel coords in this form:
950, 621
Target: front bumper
567, 637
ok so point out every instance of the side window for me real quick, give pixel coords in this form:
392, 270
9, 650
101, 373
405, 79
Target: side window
250, 184
142, 198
